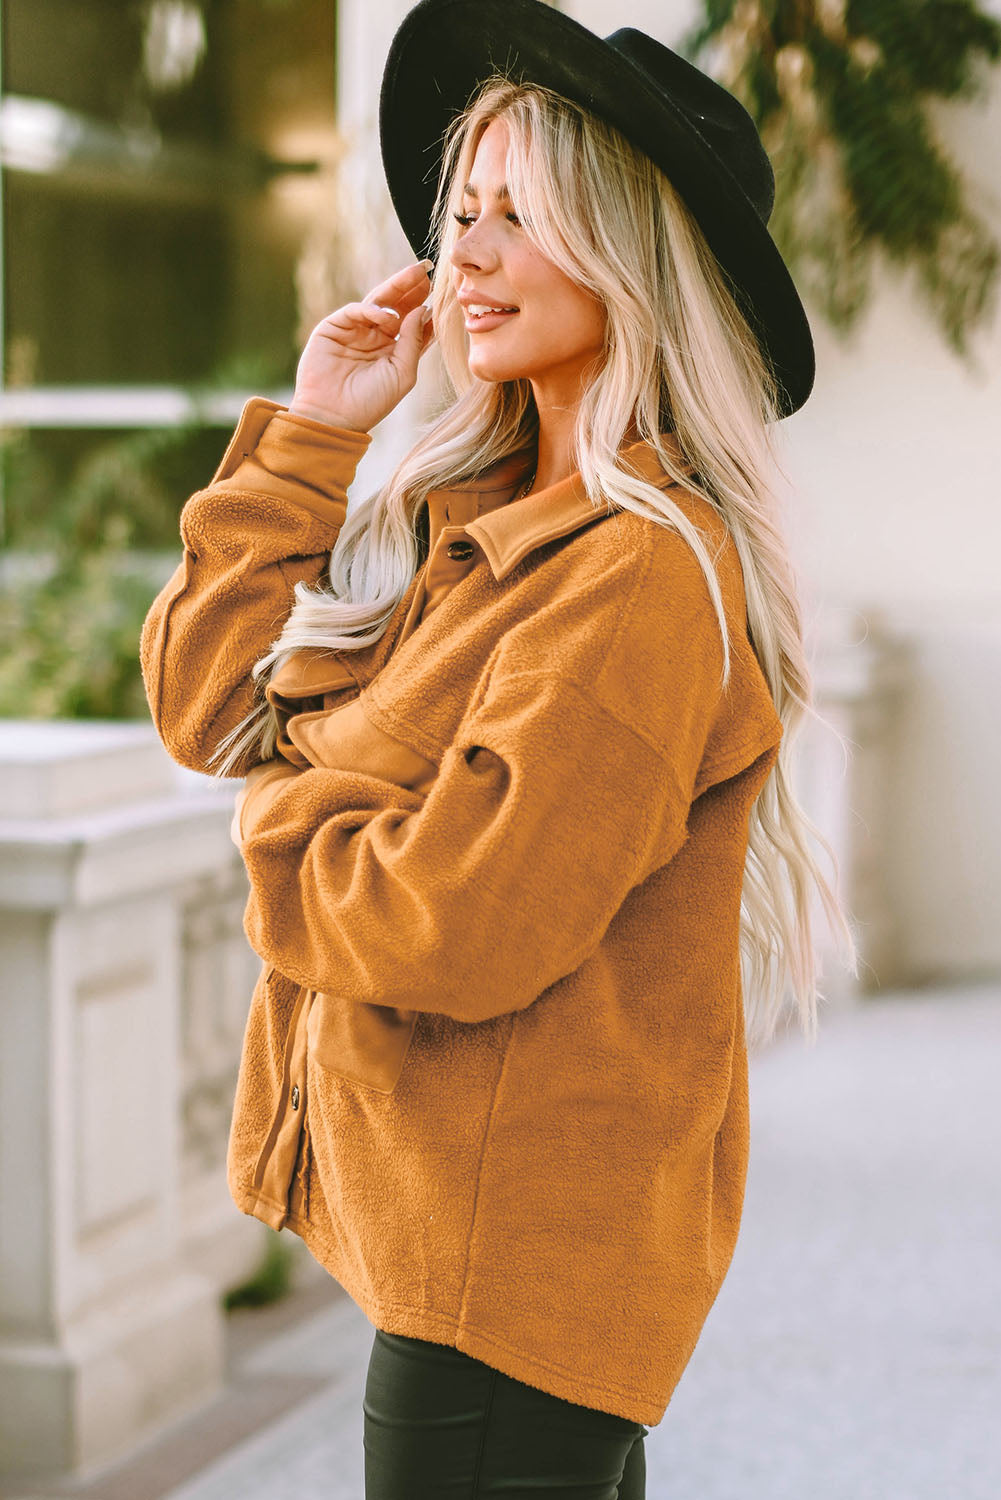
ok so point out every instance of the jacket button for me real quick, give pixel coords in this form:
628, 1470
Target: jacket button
295, 1096
460, 550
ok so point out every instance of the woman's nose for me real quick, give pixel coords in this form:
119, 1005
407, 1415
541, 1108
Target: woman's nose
473, 249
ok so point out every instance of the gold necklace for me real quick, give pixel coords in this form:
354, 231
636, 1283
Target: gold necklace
524, 489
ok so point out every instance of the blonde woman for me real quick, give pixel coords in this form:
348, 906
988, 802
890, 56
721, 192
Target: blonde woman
526, 869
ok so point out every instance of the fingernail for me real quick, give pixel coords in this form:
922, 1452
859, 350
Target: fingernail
428, 265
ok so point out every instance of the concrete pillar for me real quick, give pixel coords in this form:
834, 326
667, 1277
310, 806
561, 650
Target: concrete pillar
376, 245
109, 1324
844, 771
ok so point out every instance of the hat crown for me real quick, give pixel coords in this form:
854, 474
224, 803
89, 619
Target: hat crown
710, 109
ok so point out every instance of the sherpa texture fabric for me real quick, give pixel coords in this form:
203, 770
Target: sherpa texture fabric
494, 1072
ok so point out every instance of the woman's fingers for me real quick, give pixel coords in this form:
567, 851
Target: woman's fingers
411, 285
415, 337
406, 301
369, 328
360, 315
384, 308
362, 358
360, 331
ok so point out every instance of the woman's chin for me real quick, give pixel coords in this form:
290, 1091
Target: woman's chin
482, 367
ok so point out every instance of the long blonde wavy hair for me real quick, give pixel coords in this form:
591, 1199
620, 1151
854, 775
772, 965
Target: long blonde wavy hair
679, 354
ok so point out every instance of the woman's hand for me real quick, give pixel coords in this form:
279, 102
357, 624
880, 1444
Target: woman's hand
362, 359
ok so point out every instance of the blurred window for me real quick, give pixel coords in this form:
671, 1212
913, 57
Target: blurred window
157, 161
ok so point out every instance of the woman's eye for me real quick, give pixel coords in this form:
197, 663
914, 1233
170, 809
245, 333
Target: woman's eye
466, 219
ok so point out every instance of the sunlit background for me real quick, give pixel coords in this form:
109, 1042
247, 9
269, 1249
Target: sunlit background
188, 186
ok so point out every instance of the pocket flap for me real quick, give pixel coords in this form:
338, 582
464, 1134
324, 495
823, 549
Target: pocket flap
362, 1043
345, 739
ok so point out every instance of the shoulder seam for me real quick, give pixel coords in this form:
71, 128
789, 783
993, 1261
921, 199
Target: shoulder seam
626, 614
586, 690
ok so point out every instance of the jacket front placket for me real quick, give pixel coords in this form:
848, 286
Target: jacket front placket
281, 1177
452, 553
275, 1178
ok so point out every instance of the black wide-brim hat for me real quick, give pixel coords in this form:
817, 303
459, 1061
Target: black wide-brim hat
700, 136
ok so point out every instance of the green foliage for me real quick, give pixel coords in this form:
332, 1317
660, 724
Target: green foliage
271, 1280
74, 595
69, 640
840, 92
71, 612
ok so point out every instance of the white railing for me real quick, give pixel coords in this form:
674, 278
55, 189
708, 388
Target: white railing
125, 980
116, 406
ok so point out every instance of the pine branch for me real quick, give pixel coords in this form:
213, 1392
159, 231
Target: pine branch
839, 90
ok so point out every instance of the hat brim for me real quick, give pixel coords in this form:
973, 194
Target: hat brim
442, 52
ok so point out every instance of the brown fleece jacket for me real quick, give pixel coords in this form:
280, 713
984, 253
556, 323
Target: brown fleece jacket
494, 1072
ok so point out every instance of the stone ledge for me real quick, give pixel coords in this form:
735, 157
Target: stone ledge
58, 768
97, 857
90, 811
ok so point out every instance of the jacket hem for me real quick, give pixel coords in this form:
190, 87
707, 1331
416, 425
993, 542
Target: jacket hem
446, 1328
617, 1401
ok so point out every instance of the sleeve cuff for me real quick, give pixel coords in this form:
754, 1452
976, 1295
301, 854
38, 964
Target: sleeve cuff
258, 788
293, 458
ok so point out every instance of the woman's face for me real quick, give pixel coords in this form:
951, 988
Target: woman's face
549, 330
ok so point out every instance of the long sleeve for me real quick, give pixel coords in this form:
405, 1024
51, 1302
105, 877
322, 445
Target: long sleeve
473, 899
267, 521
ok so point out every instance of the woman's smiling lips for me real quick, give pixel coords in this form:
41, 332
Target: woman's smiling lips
481, 315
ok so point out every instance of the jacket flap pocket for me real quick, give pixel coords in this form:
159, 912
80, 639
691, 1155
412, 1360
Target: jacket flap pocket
345, 739
362, 1043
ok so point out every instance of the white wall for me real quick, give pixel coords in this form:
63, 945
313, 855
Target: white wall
896, 455
895, 508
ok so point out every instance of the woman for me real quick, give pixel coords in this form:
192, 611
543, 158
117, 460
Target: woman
515, 736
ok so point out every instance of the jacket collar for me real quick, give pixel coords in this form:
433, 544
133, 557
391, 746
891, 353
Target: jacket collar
508, 530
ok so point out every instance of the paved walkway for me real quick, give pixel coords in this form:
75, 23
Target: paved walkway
854, 1352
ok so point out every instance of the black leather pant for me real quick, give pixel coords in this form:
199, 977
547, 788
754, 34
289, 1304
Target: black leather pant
440, 1425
